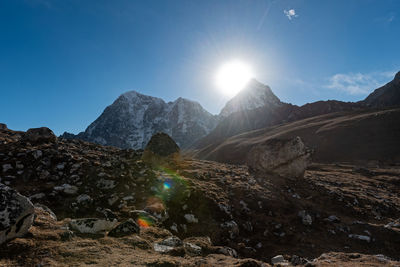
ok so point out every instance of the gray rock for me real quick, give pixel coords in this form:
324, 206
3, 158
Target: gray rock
7, 167
227, 251
92, 225
333, 219
278, 259
16, 214
162, 248
105, 184
190, 218
47, 210
232, 228
305, 218
67, 189
84, 199
37, 154
172, 241
192, 249
360, 237
126, 228
284, 157
394, 224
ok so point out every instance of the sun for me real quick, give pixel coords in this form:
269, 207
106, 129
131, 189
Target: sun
233, 77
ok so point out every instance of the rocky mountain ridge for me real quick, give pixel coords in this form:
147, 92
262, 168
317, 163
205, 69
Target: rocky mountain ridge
277, 112
133, 118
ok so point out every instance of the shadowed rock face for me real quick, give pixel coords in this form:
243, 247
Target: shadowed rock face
284, 157
162, 144
16, 214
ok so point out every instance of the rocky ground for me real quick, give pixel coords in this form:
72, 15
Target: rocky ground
193, 212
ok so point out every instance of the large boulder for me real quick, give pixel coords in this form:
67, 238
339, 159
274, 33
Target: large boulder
3, 126
283, 157
16, 214
39, 135
162, 144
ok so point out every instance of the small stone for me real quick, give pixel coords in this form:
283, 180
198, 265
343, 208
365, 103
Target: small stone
92, 225
105, 184
84, 198
60, 166
37, 154
305, 218
360, 237
7, 167
278, 259
37, 196
190, 218
192, 249
333, 219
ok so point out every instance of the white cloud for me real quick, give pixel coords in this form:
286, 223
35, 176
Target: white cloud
359, 83
291, 13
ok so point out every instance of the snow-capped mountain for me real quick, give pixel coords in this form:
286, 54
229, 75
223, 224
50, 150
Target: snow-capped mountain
254, 95
133, 118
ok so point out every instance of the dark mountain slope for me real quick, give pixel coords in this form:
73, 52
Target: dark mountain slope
344, 136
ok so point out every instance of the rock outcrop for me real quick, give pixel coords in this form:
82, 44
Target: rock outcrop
162, 144
39, 135
284, 157
16, 214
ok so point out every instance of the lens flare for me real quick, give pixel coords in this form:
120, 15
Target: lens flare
167, 185
233, 77
144, 222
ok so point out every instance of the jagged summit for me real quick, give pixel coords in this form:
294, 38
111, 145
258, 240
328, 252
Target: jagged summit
253, 96
397, 76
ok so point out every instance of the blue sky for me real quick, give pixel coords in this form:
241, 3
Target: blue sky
63, 61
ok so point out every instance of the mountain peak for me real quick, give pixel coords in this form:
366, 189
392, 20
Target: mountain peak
397, 76
254, 95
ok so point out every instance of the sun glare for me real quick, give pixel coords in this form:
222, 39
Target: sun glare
233, 77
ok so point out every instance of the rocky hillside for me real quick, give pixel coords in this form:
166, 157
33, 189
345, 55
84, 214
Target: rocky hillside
110, 203
133, 118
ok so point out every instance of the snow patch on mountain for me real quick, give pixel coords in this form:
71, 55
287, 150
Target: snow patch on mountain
254, 95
